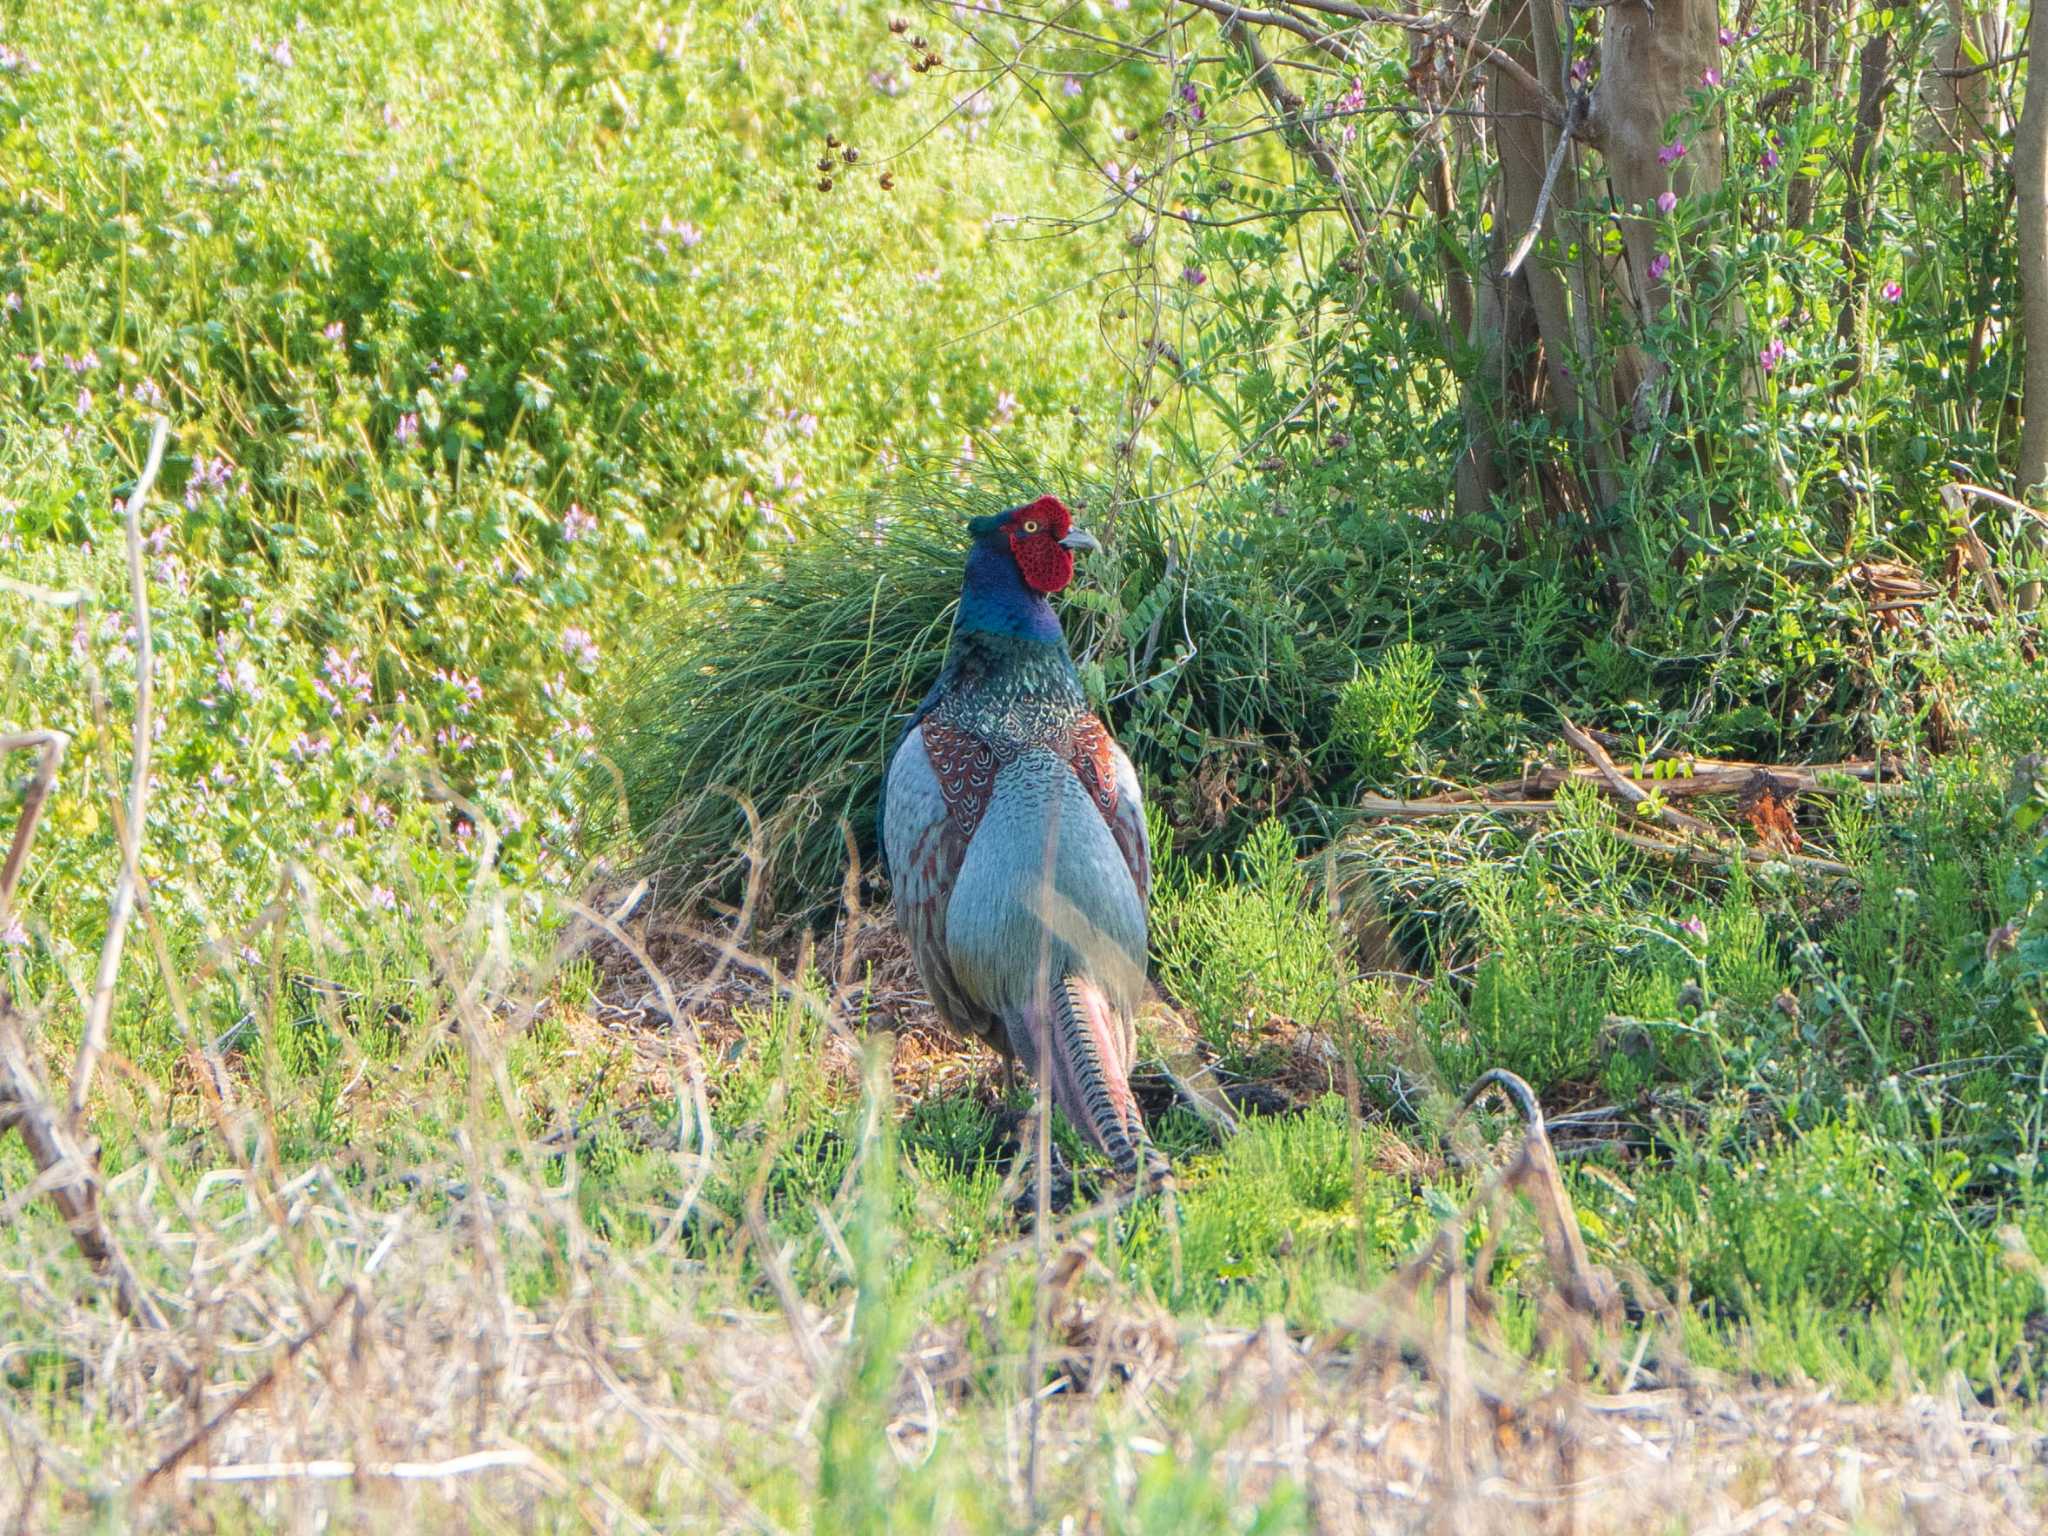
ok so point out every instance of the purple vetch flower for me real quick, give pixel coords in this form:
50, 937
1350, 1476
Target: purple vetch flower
1660, 265
10, 303
1893, 292
1711, 79
1770, 160
1006, 409
335, 331
457, 374
576, 523
1582, 71
1772, 355
1348, 105
408, 427
1692, 927
471, 688
212, 474
348, 675
1666, 201
1727, 38
280, 54
84, 362
36, 362
13, 936
382, 898
580, 647
1671, 153
84, 402
682, 232
1193, 276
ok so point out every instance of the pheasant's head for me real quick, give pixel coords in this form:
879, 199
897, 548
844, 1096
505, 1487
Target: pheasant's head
1042, 540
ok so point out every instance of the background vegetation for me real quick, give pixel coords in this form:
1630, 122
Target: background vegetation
565, 494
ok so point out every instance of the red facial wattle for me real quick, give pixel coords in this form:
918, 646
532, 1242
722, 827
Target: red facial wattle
1035, 534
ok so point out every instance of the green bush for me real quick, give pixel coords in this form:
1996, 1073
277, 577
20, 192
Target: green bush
1382, 714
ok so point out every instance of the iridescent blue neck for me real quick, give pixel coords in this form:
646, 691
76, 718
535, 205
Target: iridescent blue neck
995, 601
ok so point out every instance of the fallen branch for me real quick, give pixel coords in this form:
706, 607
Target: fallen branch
67, 1170
1703, 843
1627, 790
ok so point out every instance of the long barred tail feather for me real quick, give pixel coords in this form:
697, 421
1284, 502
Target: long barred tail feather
1090, 1070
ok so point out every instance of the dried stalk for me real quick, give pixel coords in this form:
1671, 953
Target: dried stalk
92, 1040
53, 744
249, 1394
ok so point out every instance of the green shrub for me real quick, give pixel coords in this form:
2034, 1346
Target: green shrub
1236, 947
1382, 713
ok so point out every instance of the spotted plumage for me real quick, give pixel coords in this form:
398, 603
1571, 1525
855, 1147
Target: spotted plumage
1014, 833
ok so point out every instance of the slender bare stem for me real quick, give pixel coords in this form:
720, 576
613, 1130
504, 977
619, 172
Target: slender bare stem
92, 1040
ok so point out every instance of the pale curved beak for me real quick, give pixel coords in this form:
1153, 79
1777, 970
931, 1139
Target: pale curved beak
1080, 541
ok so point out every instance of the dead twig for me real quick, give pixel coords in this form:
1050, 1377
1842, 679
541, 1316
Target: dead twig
52, 744
249, 1394
71, 1173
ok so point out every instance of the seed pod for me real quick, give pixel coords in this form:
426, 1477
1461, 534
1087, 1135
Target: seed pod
932, 61
831, 141
824, 164
888, 181
898, 25
849, 154
824, 183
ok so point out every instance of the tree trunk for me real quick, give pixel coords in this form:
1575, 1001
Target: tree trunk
1652, 61
2030, 176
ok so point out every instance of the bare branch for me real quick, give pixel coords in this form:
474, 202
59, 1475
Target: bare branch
1575, 117
92, 1040
53, 744
67, 1172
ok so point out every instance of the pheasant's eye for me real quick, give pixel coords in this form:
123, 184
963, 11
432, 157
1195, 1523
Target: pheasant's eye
1031, 526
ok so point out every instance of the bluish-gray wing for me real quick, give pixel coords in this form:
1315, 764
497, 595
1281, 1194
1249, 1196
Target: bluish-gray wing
925, 847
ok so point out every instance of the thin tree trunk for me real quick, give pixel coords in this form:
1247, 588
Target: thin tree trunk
1873, 90
1820, 35
2030, 177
